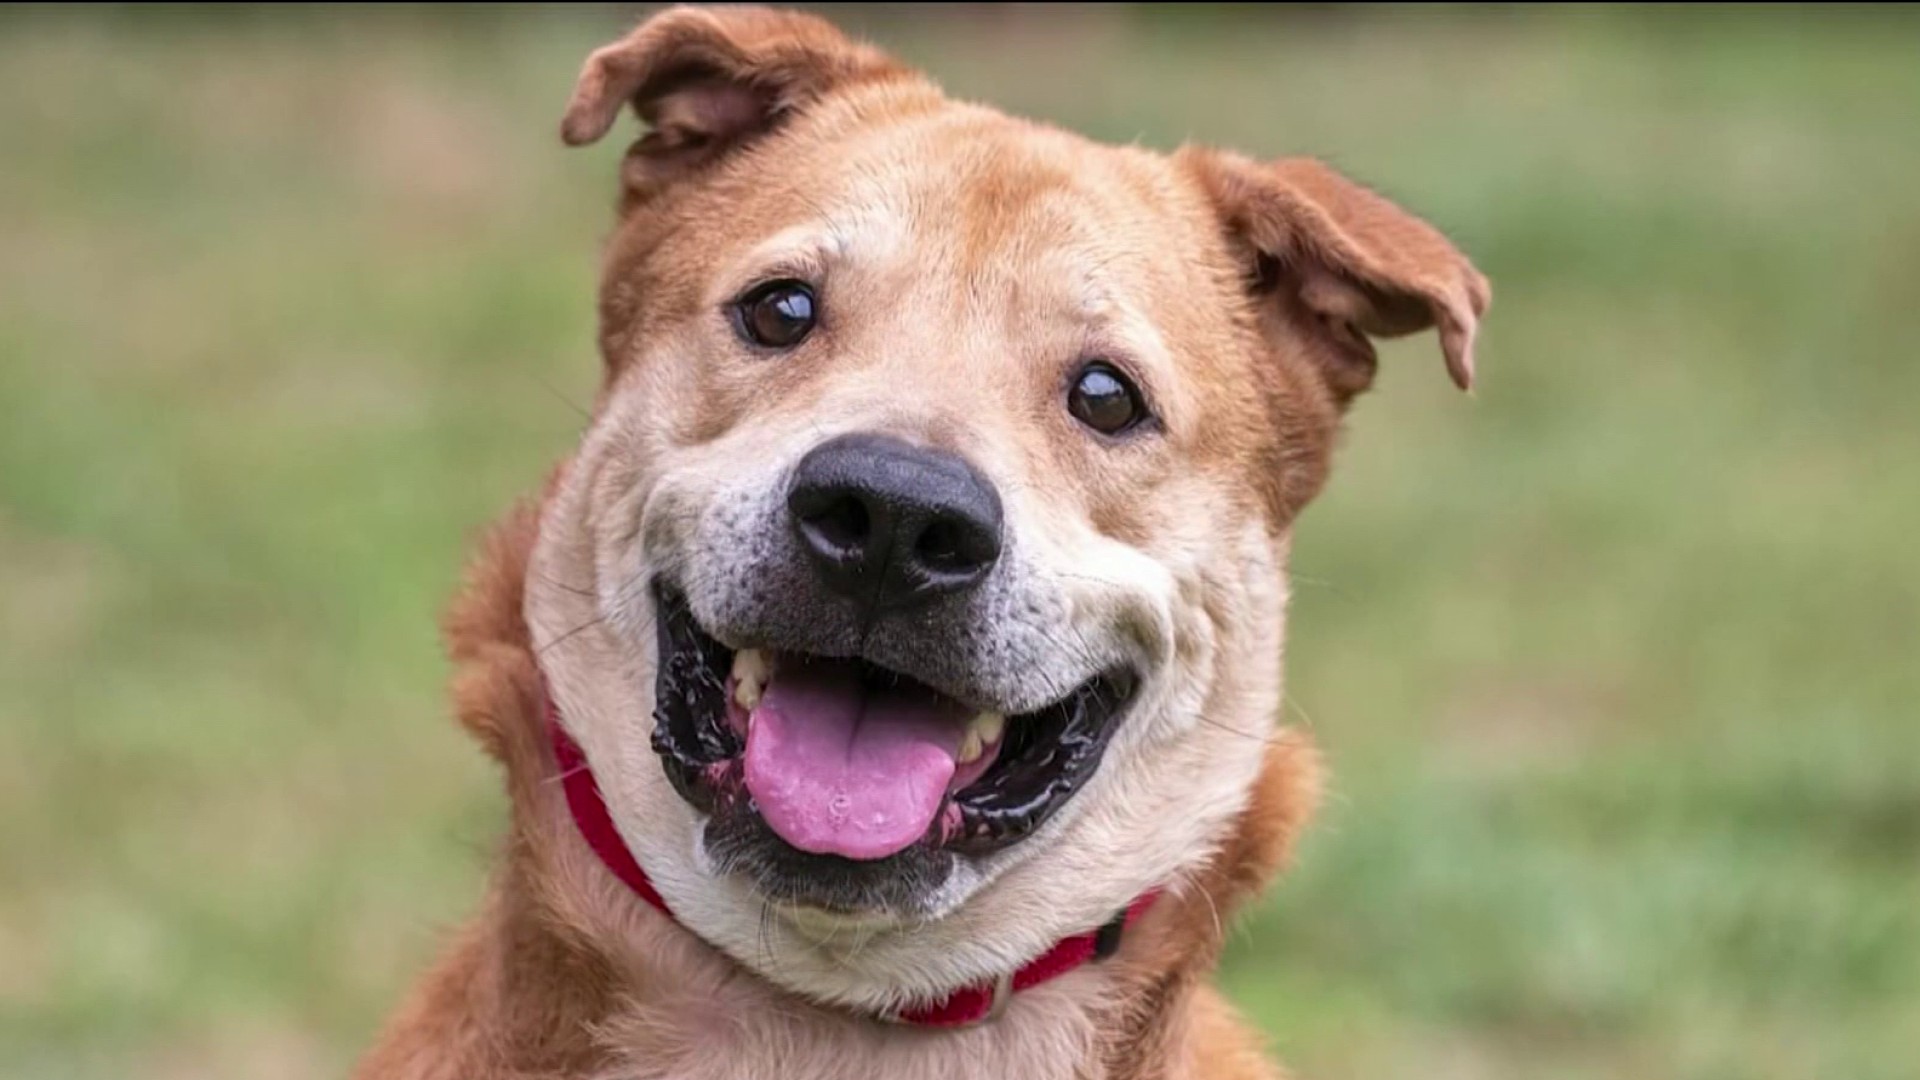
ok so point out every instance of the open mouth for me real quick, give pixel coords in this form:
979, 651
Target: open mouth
842, 757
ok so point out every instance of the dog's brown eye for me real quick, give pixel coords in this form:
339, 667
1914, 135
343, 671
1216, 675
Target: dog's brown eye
1104, 400
776, 315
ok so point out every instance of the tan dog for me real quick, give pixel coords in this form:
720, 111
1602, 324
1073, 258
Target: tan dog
889, 686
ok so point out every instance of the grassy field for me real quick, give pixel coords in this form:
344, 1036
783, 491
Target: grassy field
1617, 662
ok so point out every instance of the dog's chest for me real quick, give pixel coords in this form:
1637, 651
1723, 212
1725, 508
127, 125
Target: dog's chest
734, 1036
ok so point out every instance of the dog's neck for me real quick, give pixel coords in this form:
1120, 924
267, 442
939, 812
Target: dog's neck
568, 972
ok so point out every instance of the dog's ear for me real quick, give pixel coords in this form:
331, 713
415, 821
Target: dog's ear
1344, 262
708, 81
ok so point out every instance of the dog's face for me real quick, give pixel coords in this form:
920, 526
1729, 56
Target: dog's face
917, 592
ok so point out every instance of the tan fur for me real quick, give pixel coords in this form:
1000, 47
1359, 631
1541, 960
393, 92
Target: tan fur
532, 989
1241, 295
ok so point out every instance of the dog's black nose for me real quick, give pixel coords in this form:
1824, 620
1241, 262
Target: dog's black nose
892, 524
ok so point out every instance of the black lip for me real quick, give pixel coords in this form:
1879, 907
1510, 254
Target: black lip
690, 695
1049, 755
906, 883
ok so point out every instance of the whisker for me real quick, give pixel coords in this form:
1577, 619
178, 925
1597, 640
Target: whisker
558, 584
1080, 647
562, 398
1318, 583
761, 947
1219, 928
1289, 701
562, 639
566, 774
1264, 740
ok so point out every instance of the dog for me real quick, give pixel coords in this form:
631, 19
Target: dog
889, 684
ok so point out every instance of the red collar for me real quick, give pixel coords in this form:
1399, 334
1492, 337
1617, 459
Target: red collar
968, 1005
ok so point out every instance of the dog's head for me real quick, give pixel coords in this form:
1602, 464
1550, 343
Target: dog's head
917, 592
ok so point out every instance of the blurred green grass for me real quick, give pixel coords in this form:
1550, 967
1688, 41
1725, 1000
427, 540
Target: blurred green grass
1616, 662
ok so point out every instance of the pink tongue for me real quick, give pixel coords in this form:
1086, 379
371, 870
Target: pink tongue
841, 768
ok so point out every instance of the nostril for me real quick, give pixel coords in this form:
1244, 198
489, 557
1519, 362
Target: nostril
839, 528
939, 546
953, 546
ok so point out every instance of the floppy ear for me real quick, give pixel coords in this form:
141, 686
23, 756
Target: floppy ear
1348, 263
707, 81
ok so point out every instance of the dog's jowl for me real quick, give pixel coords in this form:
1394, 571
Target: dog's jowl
888, 684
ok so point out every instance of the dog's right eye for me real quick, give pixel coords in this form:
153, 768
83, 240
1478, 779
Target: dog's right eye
1104, 400
776, 315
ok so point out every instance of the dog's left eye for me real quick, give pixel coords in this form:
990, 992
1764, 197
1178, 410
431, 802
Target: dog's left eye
1104, 400
776, 315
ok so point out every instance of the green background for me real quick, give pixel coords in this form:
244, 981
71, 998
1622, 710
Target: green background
1616, 661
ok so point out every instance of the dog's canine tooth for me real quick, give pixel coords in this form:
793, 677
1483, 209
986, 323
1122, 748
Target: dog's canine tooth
989, 726
750, 671
982, 731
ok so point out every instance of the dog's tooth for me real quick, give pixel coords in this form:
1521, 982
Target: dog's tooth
970, 748
988, 726
747, 695
982, 731
750, 671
